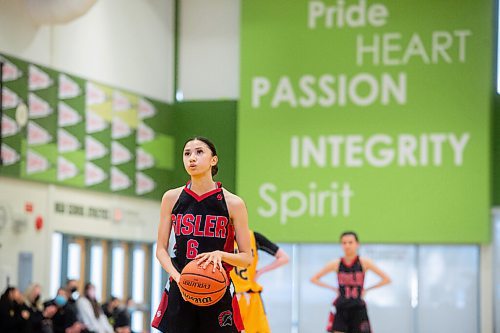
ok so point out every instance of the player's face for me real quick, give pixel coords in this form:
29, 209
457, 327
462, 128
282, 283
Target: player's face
349, 245
198, 159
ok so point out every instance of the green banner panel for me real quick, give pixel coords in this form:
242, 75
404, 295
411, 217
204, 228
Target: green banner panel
84, 134
42, 139
15, 96
155, 149
71, 131
371, 116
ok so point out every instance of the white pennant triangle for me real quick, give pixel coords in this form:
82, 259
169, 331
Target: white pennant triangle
9, 99
66, 142
119, 180
36, 163
9, 155
68, 88
146, 109
94, 122
94, 149
119, 128
65, 169
144, 133
38, 107
144, 160
120, 102
93, 174
9, 126
37, 135
144, 183
38, 79
10, 71
119, 154
67, 116
94, 95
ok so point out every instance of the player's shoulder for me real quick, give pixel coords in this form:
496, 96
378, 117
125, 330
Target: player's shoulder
334, 264
232, 199
367, 263
172, 195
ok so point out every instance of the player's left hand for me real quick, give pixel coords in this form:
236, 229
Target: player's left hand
214, 257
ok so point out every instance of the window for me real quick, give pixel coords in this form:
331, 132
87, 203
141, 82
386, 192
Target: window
55, 263
96, 269
118, 271
74, 251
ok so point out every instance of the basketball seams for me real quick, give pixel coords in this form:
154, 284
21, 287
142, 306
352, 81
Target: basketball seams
205, 293
204, 276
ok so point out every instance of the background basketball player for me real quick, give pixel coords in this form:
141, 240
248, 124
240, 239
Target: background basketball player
248, 289
349, 314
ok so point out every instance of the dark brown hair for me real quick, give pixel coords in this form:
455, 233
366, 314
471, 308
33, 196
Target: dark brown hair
95, 305
350, 233
7, 294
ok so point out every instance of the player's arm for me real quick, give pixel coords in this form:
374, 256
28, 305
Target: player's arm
280, 256
164, 230
239, 217
332, 266
369, 265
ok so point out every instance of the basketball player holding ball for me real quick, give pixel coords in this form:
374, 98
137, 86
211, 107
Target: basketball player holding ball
206, 220
349, 313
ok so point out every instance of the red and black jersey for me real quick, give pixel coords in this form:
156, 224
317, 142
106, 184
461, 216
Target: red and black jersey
201, 224
351, 278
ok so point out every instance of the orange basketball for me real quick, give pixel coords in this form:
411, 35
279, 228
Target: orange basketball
200, 286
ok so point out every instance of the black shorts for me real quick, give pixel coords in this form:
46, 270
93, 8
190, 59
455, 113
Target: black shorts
350, 320
175, 315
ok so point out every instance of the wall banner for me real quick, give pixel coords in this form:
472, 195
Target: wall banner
370, 116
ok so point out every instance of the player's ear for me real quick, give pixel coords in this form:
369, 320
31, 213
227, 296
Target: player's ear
215, 160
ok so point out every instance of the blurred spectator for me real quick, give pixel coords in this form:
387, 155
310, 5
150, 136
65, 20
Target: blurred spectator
91, 313
64, 319
32, 302
111, 309
123, 317
47, 325
71, 288
14, 316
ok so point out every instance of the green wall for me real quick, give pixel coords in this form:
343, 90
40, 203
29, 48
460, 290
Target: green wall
495, 156
215, 120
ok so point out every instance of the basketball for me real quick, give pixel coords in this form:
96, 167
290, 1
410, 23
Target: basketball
200, 286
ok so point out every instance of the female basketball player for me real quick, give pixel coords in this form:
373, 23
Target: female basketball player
205, 218
349, 314
248, 290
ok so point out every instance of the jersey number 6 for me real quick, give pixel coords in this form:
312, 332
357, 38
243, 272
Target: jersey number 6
192, 249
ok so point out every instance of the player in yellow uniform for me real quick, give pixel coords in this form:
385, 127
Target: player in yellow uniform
248, 289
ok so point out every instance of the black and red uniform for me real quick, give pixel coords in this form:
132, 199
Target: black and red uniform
201, 224
349, 313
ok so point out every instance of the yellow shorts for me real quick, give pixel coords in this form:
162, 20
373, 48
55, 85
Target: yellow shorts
253, 313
